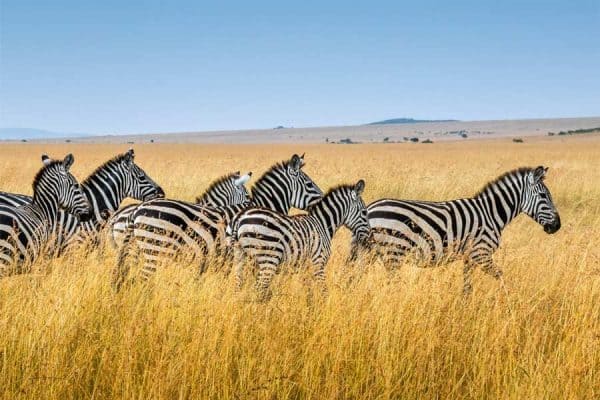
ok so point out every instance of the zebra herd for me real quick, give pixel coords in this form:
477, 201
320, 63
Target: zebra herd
254, 227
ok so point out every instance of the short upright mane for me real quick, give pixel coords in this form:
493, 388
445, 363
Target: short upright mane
214, 184
115, 160
519, 171
259, 182
40, 173
338, 188
346, 186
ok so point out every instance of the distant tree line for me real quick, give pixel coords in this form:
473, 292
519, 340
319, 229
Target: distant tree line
575, 132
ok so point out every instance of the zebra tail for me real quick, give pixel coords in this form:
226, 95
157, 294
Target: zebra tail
231, 234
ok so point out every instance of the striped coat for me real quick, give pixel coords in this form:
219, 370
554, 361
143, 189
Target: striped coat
105, 189
470, 228
168, 228
225, 191
269, 238
25, 230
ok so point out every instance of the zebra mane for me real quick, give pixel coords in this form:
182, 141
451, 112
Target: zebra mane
40, 173
214, 184
515, 172
115, 160
260, 181
336, 188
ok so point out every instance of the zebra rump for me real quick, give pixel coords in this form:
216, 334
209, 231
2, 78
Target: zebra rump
269, 238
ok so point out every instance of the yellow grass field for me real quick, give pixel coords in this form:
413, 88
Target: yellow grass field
377, 335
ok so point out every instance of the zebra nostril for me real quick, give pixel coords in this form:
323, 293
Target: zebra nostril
554, 226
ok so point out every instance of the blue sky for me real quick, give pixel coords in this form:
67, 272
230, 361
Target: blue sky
157, 66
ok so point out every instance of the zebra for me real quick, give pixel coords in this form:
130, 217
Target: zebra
164, 227
105, 189
469, 228
270, 238
26, 229
14, 199
226, 190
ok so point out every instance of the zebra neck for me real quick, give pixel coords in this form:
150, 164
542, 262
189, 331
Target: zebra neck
105, 194
45, 206
328, 214
501, 203
276, 201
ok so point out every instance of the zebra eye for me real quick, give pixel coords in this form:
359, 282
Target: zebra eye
543, 195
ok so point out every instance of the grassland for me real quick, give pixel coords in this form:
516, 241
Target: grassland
410, 334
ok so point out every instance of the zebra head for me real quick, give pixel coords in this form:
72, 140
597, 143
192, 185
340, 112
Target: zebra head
356, 219
138, 184
304, 190
537, 201
227, 190
55, 181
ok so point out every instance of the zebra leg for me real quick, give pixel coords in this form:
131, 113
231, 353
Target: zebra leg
467, 278
266, 271
202, 267
151, 261
102, 243
227, 259
238, 262
121, 269
354, 251
204, 257
319, 275
489, 267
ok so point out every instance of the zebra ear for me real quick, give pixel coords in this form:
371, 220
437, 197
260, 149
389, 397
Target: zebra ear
46, 160
242, 179
129, 155
539, 174
296, 162
359, 187
68, 161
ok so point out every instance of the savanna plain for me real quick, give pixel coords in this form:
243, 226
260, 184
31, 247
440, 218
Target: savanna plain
377, 334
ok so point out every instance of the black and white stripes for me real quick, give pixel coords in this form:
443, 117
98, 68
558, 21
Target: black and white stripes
25, 230
228, 190
166, 227
105, 189
255, 226
270, 238
469, 227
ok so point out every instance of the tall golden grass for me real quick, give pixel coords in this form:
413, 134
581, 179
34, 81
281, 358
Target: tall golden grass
409, 334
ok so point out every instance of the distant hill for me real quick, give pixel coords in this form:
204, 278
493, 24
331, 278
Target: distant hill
409, 121
32, 133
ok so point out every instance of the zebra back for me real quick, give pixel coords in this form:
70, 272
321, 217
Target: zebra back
225, 191
14, 199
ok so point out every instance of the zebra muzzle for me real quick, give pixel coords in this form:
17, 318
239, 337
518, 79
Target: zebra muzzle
552, 227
